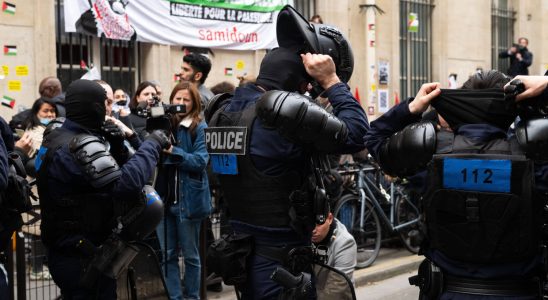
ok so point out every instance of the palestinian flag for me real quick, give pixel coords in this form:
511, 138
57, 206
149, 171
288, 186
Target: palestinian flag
8, 8
9, 102
10, 50
228, 72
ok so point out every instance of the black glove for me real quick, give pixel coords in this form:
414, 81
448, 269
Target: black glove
161, 138
113, 133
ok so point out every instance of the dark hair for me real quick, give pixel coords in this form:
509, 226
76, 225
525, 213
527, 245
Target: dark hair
486, 80
32, 119
223, 87
199, 63
320, 21
143, 85
196, 104
50, 87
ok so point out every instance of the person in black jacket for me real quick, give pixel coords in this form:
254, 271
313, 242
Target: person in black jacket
86, 186
473, 264
520, 58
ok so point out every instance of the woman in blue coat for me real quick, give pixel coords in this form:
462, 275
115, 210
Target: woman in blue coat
187, 194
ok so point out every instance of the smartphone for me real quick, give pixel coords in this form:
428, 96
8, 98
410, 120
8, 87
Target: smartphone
19, 132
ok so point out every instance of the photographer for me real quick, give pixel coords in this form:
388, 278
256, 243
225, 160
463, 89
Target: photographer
340, 246
86, 190
141, 101
520, 58
184, 170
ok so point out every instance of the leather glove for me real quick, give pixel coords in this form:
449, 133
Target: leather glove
113, 133
161, 138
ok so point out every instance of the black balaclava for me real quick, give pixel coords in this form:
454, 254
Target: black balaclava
85, 104
486, 106
282, 69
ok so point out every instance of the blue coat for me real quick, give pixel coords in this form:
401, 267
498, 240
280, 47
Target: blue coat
191, 158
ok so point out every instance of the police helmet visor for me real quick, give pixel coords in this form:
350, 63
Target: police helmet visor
292, 29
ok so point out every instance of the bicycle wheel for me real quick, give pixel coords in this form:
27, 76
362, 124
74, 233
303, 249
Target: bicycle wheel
368, 238
406, 211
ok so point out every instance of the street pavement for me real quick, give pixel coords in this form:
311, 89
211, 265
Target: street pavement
395, 288
385, 279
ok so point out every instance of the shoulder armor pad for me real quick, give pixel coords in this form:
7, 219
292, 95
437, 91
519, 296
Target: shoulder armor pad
214, 104
300, 120
97, 163
532, 137
54, 124
409, 150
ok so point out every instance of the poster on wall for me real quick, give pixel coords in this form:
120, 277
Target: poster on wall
383, 101
225, 24
383, 72
413, 22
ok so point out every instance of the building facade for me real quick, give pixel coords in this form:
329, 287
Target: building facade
397, 45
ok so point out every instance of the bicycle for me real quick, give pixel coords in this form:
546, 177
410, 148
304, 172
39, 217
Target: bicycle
361, 211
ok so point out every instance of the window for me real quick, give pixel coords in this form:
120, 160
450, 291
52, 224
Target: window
502, 33
307, 8
118, 60
415, 45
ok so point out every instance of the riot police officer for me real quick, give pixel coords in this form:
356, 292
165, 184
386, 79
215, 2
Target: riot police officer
261, 184
485, 192
85, 188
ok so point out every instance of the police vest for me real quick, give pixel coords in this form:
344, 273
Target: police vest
87, 212
252, 196
481, 205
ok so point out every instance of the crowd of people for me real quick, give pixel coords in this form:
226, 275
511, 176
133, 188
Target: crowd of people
102, 164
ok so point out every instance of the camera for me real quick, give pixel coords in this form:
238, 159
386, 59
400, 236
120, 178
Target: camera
529, 108
158, 114
519, 48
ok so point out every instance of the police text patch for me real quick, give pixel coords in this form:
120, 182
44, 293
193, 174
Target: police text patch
226, 140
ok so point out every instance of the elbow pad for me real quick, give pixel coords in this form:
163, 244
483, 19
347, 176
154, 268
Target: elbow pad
532, 137
214, 104
301, 121
408, 151
92, 155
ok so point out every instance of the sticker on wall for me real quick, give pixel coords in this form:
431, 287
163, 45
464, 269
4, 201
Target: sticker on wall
383, 101
10, 50
371, 110
371, 27
5, 70
8, 102
373, 87
229, 72
8, 8
384, 65
240, 65
22, 70
413, 22
14, 85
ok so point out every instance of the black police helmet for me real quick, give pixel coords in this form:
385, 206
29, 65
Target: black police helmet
292, 29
